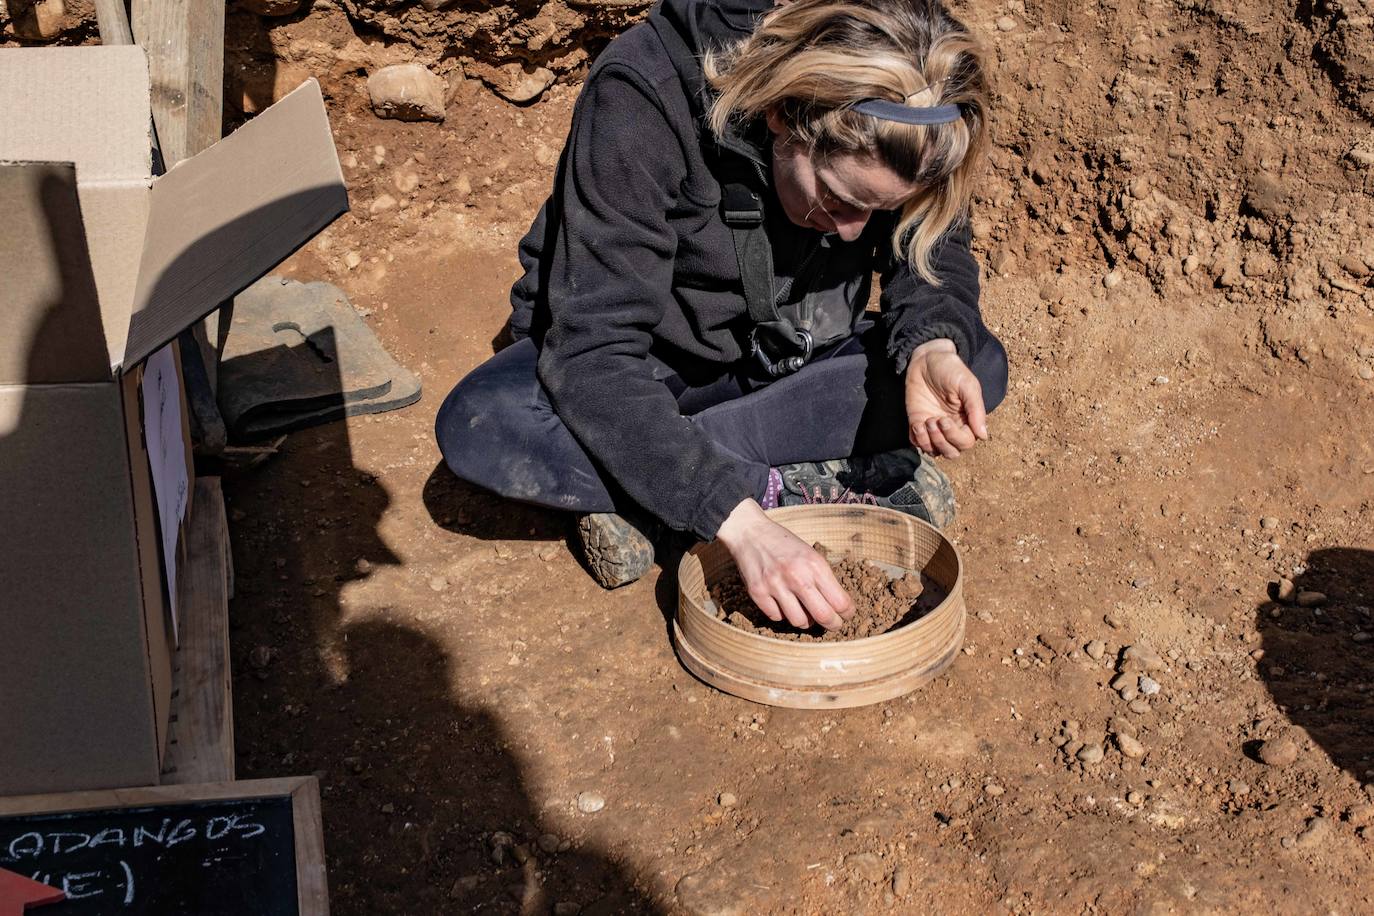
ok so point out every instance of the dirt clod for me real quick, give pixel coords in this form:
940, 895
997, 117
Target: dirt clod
881, 603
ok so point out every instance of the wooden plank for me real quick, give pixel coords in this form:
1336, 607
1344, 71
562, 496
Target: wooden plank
185, 44
200, 735
145, 796
312, 882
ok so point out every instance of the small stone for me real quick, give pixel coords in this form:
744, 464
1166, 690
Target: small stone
1190, 265
1311, 599
1316, 831
1142, 658
1134, 798
1160, 380
1280, 751
1361, 636
1138, 706
1269, 523
1006, 24
1112, 279
1112, 621
352, 260
1149, 686
388, 808
260, 657
407, 92
1091, 753
1123, 681
1365, 373
515, 83
1129, 694
1129, 746
405, 180
363, 565
1284, 590
544, 154
462, 185
382, 203
438, 583
727, 800
901, 881
993, 789
1287, 842
1096, 649
590, 802
549, 842
1238, 787
866, 865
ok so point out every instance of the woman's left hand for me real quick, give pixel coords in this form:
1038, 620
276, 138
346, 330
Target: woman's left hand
944, 401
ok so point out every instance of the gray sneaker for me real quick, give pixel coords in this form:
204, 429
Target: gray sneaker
617, 550
903, 480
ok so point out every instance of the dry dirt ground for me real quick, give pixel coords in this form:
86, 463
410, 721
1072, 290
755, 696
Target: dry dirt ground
1177, 229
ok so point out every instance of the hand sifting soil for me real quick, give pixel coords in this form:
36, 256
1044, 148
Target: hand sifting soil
881, 602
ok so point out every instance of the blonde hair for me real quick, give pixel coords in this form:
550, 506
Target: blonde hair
811, 60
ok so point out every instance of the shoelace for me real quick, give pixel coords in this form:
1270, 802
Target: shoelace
816, 497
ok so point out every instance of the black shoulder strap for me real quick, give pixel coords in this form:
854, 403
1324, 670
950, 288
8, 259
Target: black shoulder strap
741, 204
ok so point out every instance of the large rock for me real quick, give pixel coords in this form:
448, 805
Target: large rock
408, 92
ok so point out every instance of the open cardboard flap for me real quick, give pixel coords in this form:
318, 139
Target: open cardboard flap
225, 217
165, 252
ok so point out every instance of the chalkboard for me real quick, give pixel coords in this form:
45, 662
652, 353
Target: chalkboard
224, 850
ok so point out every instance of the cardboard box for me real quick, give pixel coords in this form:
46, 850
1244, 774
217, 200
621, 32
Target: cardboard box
104, 266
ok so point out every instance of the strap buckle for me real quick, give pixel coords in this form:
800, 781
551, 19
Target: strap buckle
740, 207
788, 364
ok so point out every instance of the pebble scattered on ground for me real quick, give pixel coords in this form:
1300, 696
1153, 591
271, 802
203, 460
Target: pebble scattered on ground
1280, 751
590, 802
865, 865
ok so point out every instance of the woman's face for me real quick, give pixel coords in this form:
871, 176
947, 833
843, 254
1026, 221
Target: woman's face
837, 195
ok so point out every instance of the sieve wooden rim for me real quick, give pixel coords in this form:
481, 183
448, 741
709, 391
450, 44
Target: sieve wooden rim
782, 672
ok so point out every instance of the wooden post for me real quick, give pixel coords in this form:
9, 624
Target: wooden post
113, 21
185, 44
184, 40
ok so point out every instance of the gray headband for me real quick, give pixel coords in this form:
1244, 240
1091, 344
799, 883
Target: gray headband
908, 114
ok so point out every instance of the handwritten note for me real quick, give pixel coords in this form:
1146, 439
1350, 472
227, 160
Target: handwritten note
166, 459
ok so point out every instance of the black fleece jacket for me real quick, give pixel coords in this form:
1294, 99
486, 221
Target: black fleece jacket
629, 256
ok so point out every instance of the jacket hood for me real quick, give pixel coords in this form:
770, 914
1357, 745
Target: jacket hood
704, 25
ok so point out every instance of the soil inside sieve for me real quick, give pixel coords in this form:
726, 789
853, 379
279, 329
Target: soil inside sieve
882, 602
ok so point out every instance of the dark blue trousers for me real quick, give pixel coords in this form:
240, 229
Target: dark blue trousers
498, 430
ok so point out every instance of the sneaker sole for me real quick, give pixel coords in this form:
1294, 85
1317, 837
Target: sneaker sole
616, 552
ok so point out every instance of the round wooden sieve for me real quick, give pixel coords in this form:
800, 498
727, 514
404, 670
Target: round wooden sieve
830, 675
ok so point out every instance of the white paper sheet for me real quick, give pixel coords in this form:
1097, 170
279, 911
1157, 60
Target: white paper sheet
166, 459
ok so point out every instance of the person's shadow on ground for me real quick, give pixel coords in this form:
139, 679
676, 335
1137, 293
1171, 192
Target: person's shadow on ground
425, 808
1319, 661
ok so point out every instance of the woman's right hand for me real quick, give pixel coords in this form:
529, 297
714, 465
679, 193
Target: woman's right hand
784, 575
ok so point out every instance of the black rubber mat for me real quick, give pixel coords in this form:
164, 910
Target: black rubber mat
297, 355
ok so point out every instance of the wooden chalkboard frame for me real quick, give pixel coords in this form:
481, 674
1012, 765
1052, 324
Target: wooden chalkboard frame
312, 888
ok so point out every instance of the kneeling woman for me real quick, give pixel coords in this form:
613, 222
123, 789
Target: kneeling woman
692, 345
